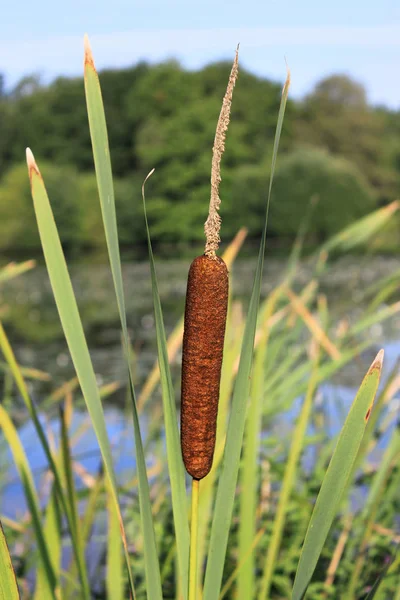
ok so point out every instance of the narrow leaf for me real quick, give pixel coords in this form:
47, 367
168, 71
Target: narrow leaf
375, 588
21, 462
22, 388
72, 326
114, 576
174, 454
101, 154
230, 467
287, 485
8, 582
52, 535
336, 477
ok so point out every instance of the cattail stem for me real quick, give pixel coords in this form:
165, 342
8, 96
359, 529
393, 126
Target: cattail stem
194, 523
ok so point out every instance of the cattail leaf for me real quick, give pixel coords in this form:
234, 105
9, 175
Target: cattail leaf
14, 269
48, 576
22, 388
372, 319
174, 455
86, 524
72, 326
369, 513
295, 382
361, 231
289, 478
101, 154
375, 588
230, 465
52, 535
233, 338
68, 477
114, 571
8, 582
66, 460
249, 477
288, 482
250, 462
336, 477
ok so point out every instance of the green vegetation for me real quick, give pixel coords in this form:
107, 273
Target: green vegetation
340, 191
335, 146
319, 529
298, 349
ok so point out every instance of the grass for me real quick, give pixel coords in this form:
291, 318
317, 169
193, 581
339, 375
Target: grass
268, 525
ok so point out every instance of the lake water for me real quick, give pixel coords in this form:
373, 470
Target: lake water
34, 331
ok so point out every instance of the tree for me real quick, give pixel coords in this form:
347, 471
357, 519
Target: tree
339, 91
164, 116
337, 118
17, 218
342, 192
2, 86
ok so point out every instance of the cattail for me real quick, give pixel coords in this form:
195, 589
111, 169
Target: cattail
203, 343
205, 320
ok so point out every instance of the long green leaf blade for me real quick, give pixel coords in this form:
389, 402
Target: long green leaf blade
8, 582
72, 326
21, 385
287, 485
375, 588
21, 462
362, 230
101, 154
174, 454
230, 467
14, 270
250, 469
114, 573
336, 477
52, 535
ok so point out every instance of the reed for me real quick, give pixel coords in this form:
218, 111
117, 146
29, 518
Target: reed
286, 513
203, 344
203, 338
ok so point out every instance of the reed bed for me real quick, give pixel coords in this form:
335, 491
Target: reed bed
267, 524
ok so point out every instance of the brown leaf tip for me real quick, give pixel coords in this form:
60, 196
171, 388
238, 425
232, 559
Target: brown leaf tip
32, 166
378, 362
288, 78
146, 179
88, 52
393, 206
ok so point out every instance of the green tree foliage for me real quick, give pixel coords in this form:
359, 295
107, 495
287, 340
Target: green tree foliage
336, 117
246, 191
163, 116
341, 192
17, 218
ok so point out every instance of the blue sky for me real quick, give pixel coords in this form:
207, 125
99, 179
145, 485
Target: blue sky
357, 37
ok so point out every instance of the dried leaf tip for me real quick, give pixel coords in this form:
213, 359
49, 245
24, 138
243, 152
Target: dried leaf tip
393, 206
30, 160
213, 224
286, 85
378, 362
146, 179
88, 52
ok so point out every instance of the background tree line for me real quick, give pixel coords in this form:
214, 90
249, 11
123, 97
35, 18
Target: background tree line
335, 148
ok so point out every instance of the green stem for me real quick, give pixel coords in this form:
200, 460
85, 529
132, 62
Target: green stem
193, 540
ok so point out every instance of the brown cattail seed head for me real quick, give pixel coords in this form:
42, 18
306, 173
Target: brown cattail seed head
203, 344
